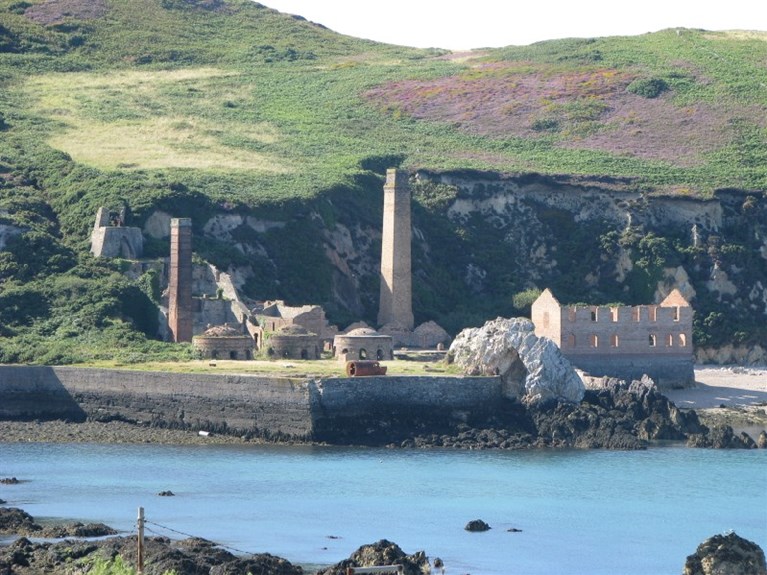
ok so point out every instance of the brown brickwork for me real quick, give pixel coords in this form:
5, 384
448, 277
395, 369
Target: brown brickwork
622, 341
396, 307
180, 315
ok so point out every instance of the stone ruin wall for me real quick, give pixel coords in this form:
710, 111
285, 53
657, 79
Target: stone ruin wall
624, 341
619, 330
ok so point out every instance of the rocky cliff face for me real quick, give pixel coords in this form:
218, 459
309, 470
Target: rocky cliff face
481, 240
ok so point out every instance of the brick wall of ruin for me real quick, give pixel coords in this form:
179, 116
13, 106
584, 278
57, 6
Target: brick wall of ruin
622, 341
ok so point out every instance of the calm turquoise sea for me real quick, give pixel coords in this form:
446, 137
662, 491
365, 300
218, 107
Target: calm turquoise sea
580, 512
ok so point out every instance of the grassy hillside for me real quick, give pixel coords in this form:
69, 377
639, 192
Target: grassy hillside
199, 106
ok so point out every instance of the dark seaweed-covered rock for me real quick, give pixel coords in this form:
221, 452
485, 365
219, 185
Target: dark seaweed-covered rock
726, 554
381, 553
476, 526
615, 416
721, 437
14, 521
187, 557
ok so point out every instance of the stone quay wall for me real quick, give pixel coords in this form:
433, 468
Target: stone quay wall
229, 403
220, 403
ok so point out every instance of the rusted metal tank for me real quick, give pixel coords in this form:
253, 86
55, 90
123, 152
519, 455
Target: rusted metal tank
364, 367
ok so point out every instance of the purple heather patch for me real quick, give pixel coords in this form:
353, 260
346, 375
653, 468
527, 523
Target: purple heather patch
584, 109
56, 11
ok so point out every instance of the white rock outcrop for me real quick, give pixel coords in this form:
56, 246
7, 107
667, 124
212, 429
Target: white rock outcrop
532, 368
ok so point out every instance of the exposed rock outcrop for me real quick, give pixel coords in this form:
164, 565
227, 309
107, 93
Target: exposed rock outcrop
721, 437
532, 368
382, 552
187, 557
726, 555
14, 521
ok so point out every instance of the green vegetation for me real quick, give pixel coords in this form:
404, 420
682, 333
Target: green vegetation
115, 566
227, 107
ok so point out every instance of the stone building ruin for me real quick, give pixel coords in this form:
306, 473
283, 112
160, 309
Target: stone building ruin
273, 317
622, 341
111, 238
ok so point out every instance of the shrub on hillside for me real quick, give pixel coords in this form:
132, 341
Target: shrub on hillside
648, 87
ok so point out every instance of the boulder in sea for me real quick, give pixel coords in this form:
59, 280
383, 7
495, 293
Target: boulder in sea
476, 526
532, 368
761, 442
166, 493
383, 552
9, 481
726, 555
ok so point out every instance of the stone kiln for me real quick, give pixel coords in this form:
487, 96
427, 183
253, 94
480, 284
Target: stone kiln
223, 342
363, 343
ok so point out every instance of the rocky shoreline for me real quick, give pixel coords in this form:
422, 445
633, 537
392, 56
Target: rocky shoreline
84, 547
81, 553
618, 416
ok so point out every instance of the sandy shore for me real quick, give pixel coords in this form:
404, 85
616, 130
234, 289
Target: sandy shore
733, 396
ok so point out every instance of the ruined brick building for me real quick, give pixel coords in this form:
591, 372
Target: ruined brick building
623, 341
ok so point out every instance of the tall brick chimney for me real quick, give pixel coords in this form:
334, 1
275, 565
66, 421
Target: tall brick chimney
396, 306
180, 319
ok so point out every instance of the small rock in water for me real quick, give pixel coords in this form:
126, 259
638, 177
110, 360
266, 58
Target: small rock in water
9, 481
167, 493
514, 530
477, 525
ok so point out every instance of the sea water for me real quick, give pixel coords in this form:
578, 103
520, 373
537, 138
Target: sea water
579, 512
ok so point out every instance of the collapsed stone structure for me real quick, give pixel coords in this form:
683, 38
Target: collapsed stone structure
626, 342
273, 316
111, 238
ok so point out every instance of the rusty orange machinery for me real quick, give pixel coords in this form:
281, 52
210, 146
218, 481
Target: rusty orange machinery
360, 368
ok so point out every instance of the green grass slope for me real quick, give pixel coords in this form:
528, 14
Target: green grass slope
198, 106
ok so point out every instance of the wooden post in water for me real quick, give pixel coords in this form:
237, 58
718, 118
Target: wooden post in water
140, 525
